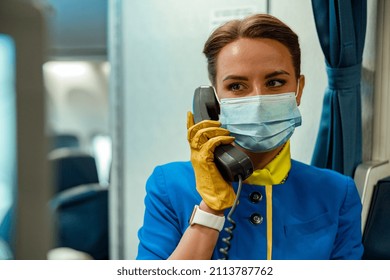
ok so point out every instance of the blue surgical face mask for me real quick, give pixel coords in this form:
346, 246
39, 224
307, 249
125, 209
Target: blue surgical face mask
261, 123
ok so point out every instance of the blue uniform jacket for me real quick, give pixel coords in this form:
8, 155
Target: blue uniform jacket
316, 214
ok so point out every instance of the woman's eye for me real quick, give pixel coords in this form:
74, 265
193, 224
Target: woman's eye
275, 83
236, 87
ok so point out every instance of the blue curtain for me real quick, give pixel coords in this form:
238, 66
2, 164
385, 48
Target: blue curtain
341, 28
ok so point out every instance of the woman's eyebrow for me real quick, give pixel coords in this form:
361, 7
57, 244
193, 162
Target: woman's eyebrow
276, 73
235, 77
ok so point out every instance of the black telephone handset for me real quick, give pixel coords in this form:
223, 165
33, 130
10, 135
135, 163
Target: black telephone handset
230, 161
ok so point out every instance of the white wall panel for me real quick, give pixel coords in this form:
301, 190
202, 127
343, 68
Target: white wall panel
163, 63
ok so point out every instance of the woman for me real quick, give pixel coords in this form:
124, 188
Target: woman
287, 209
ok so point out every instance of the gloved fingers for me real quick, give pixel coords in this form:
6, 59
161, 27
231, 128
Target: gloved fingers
204, 135
193, 130
217, 141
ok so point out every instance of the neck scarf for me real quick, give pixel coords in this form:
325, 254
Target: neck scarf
275, 172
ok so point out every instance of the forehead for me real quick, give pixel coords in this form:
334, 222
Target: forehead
244, 56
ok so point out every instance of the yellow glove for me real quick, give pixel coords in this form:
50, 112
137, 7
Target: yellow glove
203, 138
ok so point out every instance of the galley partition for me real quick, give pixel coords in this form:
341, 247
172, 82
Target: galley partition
156, 63
23, 21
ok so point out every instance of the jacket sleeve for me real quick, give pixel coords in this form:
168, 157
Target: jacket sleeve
348, 243
160, 233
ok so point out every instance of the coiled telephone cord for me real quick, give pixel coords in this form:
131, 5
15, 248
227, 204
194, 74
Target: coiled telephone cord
229, 230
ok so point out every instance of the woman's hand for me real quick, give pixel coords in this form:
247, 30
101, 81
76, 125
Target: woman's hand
203, 138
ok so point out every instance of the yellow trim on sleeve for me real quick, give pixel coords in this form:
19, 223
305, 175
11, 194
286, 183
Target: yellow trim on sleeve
268, 194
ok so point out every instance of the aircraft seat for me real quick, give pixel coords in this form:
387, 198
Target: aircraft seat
72, 167
376, 236
58, 141
81, 220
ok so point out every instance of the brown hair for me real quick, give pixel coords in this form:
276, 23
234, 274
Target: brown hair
259, 26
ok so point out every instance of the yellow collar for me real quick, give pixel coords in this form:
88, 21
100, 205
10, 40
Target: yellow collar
275, 172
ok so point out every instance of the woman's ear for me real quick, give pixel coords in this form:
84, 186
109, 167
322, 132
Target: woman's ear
301, 85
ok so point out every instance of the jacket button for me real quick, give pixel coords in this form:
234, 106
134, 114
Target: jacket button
256, 219
255, 197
